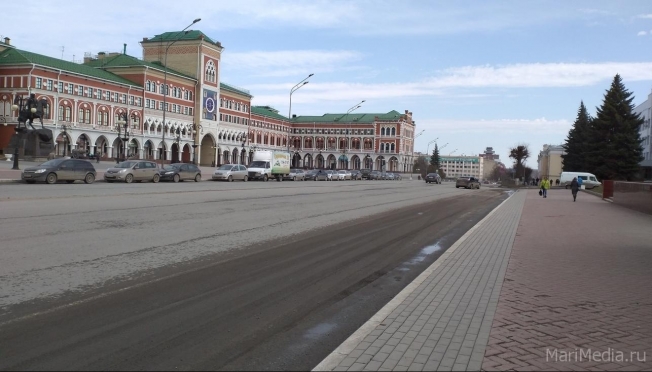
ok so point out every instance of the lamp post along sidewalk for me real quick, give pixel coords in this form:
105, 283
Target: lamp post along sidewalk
165, 82
294, 89
348, 134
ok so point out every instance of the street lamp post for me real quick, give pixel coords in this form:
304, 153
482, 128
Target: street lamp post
64, 129
165, 81
123, 122
195, 129
294, 89
348, 134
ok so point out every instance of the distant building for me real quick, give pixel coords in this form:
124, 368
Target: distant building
489, 154
550, 162
463, 166
645, 110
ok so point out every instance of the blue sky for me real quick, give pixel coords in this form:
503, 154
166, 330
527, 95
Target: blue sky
475, 74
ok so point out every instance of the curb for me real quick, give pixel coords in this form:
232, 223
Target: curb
342, 351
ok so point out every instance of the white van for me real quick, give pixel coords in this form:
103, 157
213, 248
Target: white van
589, 180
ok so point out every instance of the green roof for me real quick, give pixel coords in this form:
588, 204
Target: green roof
21, 57
237, 90
124, 60
180, 35
350, 118
267, 111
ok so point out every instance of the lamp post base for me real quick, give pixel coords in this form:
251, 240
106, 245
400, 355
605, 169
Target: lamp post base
16, 159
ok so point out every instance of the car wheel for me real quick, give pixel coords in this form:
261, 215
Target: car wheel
90, 178
230, 179
245, 179
129, 178
51, 178
265, 178
176, 178
198, 178
156, 178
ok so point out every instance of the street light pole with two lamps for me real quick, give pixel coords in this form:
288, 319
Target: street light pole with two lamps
165, 82
123, 122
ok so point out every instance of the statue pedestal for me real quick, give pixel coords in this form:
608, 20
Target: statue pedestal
34, 145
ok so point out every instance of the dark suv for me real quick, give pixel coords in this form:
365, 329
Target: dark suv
433, 178
365, 173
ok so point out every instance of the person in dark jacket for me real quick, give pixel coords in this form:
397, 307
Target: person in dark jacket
575, 186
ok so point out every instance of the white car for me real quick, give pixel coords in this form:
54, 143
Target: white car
341, 175
332, 175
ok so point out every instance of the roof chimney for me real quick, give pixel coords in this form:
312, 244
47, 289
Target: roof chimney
101, 55
7, 41
145, 38
124, 49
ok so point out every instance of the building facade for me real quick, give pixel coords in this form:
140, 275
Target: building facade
550, 162
177, 109
463, 166
645, 111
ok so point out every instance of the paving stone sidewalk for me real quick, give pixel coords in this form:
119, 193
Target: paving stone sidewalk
443, 319
578, 289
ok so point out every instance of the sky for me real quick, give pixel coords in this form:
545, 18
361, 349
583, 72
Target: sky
474, 74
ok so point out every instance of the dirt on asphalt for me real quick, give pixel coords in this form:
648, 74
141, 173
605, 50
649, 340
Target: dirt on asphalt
280, 305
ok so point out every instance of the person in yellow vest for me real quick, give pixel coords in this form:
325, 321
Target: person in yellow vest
545, 185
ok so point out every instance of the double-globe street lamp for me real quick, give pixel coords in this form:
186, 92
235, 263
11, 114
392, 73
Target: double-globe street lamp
165, 81
294, 89
195, 129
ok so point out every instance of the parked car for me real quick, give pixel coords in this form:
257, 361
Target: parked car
69, 170
310, 175
356, 175
589, 180
389, 176
321, 175
296, 175
365, 173
433, 178
341, 175
230, 172
133, 170
331, 175
397, 176
468, 182
374, 175
181, 172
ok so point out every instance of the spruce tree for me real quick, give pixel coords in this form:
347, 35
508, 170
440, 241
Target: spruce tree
575, 157
435, 161
615, 152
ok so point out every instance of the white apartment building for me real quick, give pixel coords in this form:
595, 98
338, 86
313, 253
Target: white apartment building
645, 110
463, 166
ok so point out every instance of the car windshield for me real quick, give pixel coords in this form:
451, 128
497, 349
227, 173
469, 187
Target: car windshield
342, 172
257, 164
226, 167
171, 167
52, 163
126, 164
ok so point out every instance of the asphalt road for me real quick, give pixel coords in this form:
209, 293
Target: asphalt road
240, 276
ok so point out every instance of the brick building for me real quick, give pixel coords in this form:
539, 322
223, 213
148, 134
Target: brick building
206, 120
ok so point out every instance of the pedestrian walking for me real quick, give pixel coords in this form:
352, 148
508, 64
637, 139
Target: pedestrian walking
579, 182
575, 186
537, 181
545, 185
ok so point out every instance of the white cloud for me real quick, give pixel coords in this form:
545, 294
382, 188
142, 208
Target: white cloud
525, 126
446, 82
644, 16
641, 33
290, 62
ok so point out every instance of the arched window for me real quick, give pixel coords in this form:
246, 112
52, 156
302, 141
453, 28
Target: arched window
148, 86
382, 131
392, 147
393, 131
154, 87
210, 72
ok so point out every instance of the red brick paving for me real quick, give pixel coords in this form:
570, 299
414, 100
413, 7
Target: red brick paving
579, 277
